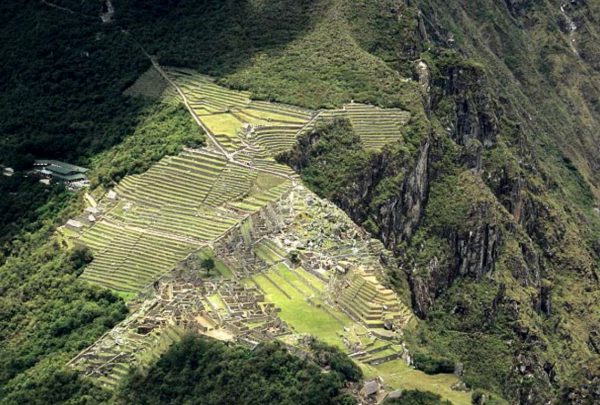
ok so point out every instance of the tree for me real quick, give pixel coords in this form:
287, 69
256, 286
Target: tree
80, 256
208, 264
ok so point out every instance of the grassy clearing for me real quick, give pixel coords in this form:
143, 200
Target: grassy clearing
221, 267
397, 374
300, 314
222, 124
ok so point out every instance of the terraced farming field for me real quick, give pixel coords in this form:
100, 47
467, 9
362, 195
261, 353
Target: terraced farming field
235, 121
288, 263
127, 259
161, 216
301, 303
375, 126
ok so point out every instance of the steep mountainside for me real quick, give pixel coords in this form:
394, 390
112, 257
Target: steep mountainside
496, 214
490, 202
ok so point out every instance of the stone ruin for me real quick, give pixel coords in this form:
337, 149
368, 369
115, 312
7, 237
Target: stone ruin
325, 242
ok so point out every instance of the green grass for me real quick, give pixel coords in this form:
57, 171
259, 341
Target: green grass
398, 375
302, 316
310, 278
225, 124
216, 301
264, 116
221, 267
264, 250
126, 296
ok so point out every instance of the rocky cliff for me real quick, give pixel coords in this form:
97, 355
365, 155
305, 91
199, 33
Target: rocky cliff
493, 211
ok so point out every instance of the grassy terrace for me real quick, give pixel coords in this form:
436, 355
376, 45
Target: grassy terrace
276, 138
254, 202
397, 374
291, 294
269, 252
185, 180
185, 201
235, 182
376, 126
145, 349
224, 112
128, 260
172, 209
366, 299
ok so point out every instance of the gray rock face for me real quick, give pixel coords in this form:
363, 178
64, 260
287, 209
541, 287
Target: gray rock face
473, 116
401, 214
476, 251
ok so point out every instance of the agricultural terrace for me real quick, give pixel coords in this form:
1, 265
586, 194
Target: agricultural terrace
375, 126
237, 122
161, 216
233, 203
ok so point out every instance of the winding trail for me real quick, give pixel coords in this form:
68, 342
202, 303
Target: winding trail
67, 10
229, 156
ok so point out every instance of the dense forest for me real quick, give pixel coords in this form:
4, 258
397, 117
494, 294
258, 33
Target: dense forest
64, 98
198, 371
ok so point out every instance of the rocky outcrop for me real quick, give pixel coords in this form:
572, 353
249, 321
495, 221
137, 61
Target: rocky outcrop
585, 388
392, 219
473, 114
473, 252
528, 366
476, 252
400, 215
422, 74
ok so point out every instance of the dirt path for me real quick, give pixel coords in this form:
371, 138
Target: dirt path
188, 106
67, 10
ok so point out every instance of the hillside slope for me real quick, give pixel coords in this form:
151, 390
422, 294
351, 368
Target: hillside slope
501, 249
489, 202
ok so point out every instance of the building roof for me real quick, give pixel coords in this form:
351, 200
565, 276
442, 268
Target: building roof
370, 388
70, 177
58, 167
74, 223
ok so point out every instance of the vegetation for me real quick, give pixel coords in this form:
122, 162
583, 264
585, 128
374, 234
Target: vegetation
61, 93
414, 397
200, 371
513, 155
208, 265
335, 142
332, 161
494, 172
24, 202
431, 364
297, 53
47, 314
302, 315
162, 129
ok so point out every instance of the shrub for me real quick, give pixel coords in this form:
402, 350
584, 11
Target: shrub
432, 365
